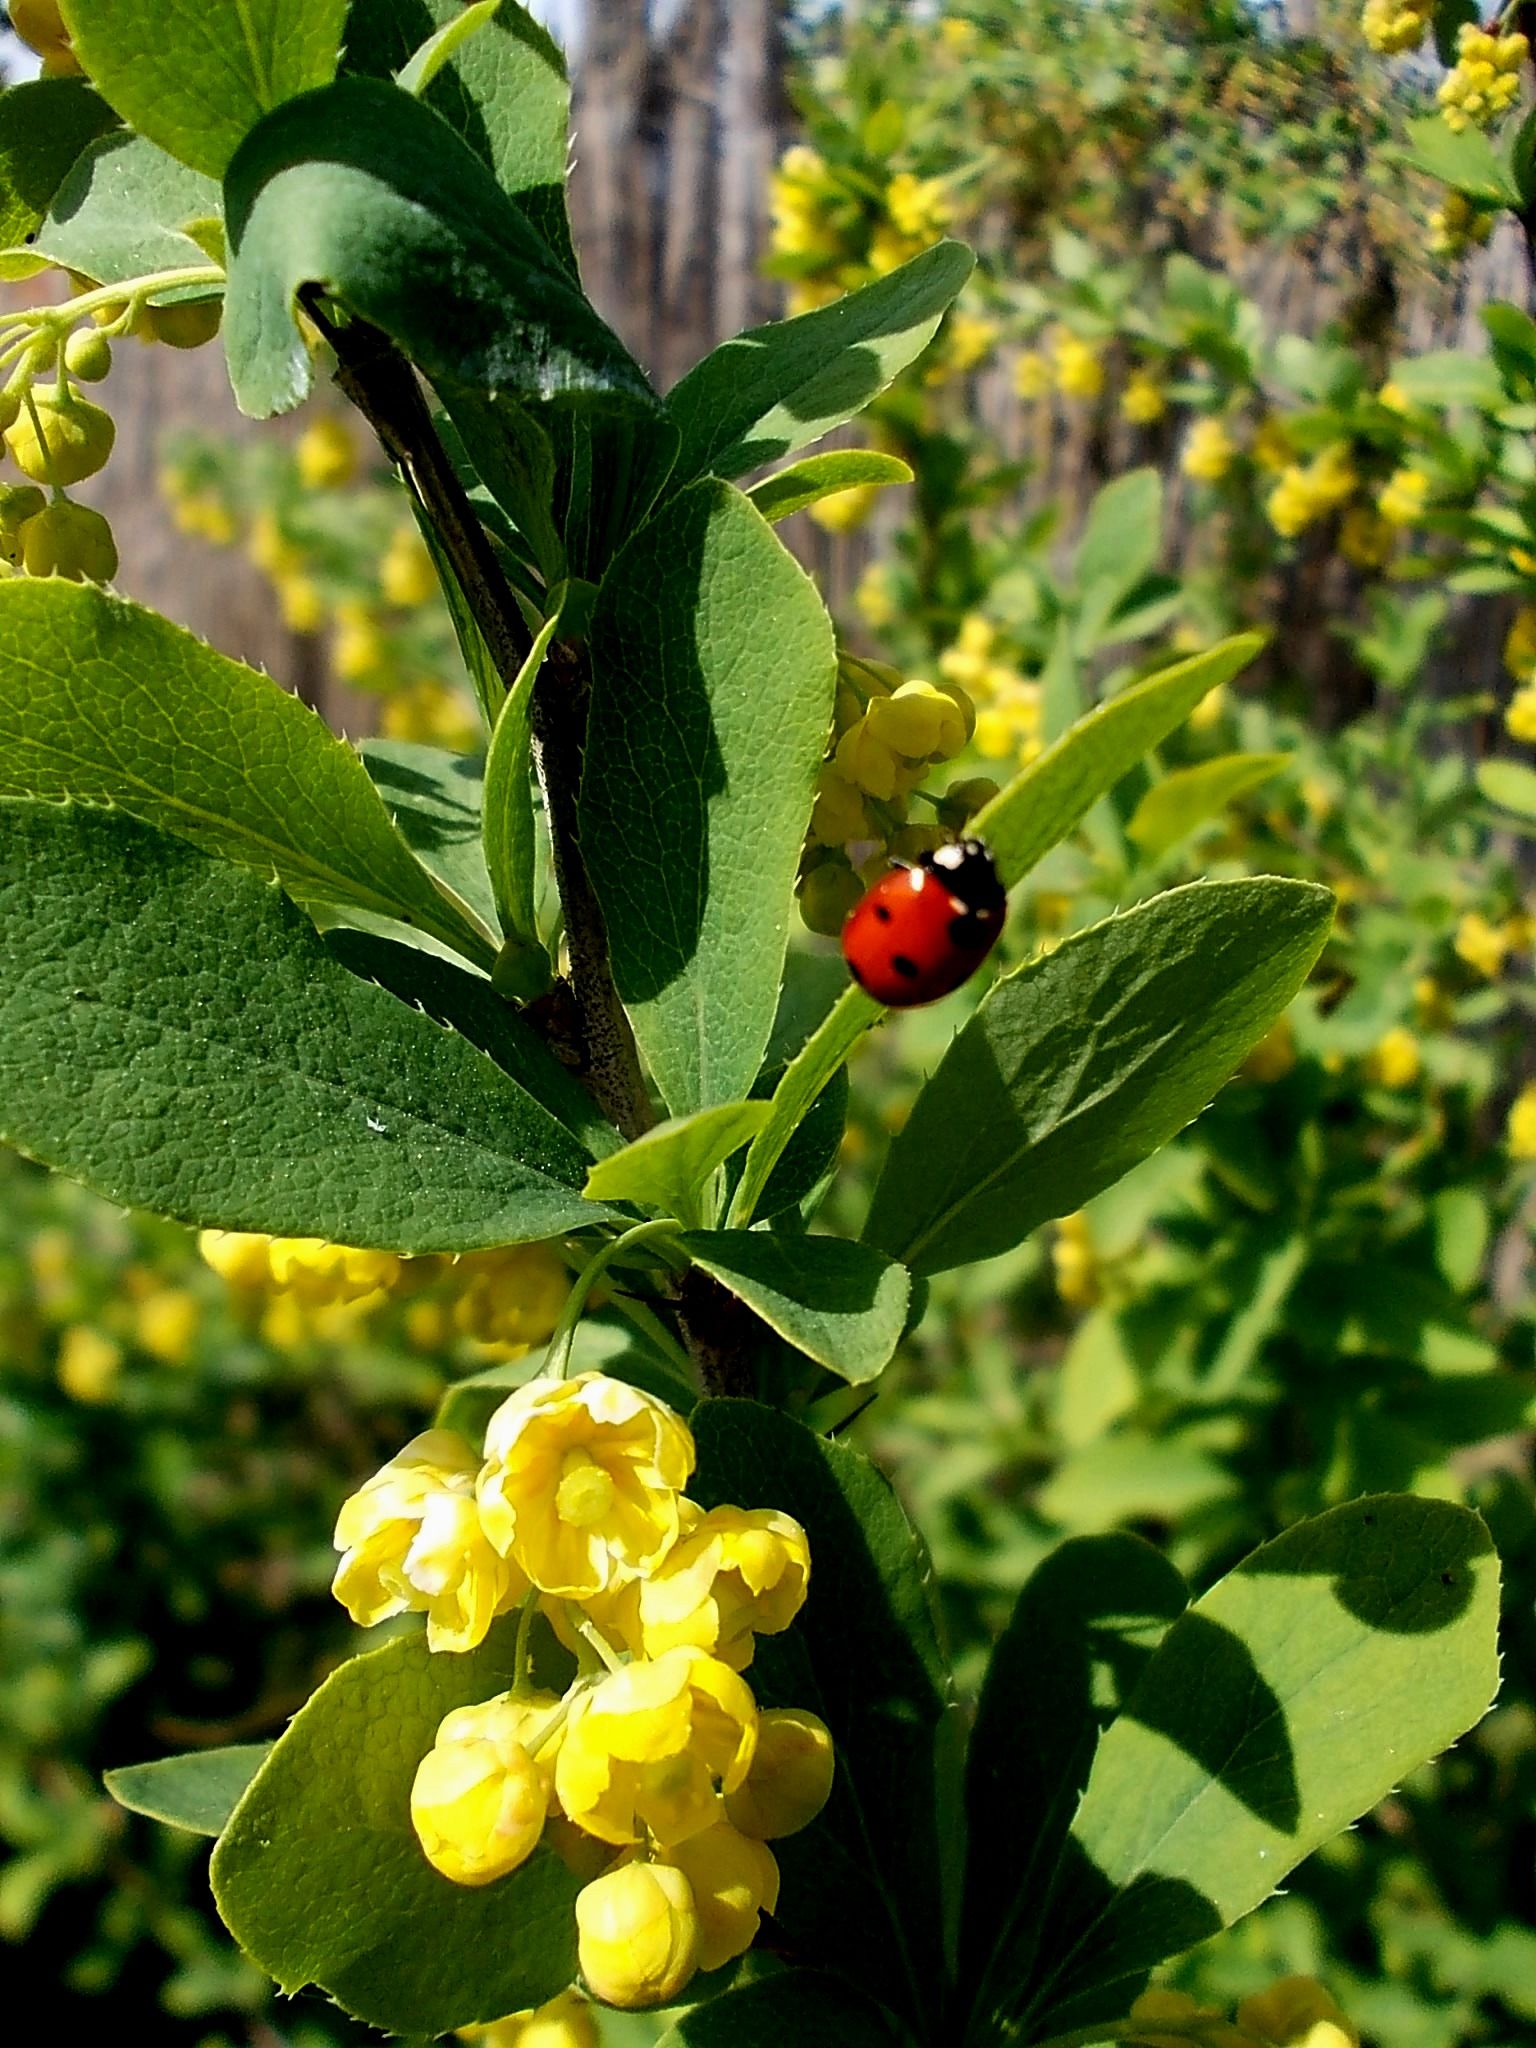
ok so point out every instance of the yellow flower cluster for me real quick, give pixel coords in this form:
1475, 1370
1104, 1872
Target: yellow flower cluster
1209, 452
1143, 401
657, 1757
1520, 714
1296, 2012
1395, 1060
1392, 26
1483, 945
1456, 225
1485, 80
1308, 492
888, 733
1078, 366
1008, 716
1520, 644
1403, 497
918, 211
1520, 1135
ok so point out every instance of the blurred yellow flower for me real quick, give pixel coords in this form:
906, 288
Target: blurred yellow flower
1520, 1135
1031, 375
845, 511
238, 1256
407, 578
1520, 714
1484, 82
1392, 26
1482, 945
1078, 366
1395, 1060
1297, 2012
511, 1295
566, 2022
1403, 497
1520, 645
88, 1363
1143, 400
1075, 1262
1209, 452
918, 207
165, 1324
326, 454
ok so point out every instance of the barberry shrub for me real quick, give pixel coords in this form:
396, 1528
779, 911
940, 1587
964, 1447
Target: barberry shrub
652, 1618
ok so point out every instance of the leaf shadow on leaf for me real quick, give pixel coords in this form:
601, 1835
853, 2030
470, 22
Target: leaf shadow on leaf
1380, 1579
438, 820
846, 385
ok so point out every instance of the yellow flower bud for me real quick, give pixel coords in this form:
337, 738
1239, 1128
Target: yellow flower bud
734, 1881
191, 324
866, 760
637, 1935
70, 439
326, 454
1297, 2010
69, 540
826, 893
88, 355
1395, 1061
479, 1799
88, 1364
962, 800
838, 814
790, 1779
566, 2022
653, 1746
1520, 1135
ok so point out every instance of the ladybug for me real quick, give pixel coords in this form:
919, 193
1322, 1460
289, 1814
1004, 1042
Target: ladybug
922, 930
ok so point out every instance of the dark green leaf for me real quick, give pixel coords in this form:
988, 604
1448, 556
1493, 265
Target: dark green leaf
839, 1303
364, 193
197, 1792
713, 672
860, 1892
44, 127
800, 2009
1083, 1062
174, 1033
320, 1878
510, 840
776, 388
103, 700
195, 75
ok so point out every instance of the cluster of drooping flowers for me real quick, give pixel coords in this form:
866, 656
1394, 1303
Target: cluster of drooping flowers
1295, 2012
888, 734
834, 230
501, 1301
1008, 712
1458, 224
1484, 82
1392, 26
655, 1768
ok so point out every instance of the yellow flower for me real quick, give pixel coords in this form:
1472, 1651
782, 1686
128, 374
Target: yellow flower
968, 339
1404, 496
1395, 1061
736, 1573
734, 1881
433, 715
922, 722
319, 1273
1143, 400
653, 1746
826, 893
637, 1935
918, 207
1520, 1135
326, 454
512, 1295
790, 1779
874, 599
412, 1542
1031, 375
957, 36
1365, 537
480, 1797
581, 1482
566, 2022
1297, 2012
1079, 369
966, 661
1391, 26
301, 604
868, 762
238, 1256
845, 511
1485, 81
1481, 944
88, 1364
1273, 448
1075, 1262
165, 1324
1209, 452
1394, 397
1520, 644
838, 813
1520, 714
406, 575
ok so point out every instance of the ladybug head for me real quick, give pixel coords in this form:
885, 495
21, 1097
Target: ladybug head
968, 871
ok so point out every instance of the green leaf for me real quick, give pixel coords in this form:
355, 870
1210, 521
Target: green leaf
123, 211
510, 841
175, 1033
515, 465
105, 701
197, 1792
320, 1878
1085, 1061
668, 1170
1289, 1700
1188, 797
776, 388
503, 92
809, 2008
1122, 538
363, 193
195, 76
418, 73
1039, 807
1467, 162
435, 799
1450, 376
713, 668
1079, 1636
860, 1891
804, 1080
811, 1155
1510, 784
840, 1303
818, 476
44, 126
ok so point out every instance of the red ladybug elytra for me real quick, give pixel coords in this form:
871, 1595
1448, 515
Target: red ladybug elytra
922, 930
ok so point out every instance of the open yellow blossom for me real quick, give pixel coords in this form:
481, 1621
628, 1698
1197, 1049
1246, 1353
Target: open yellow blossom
566, 2022
411, 1541
735, 1574
921, 721
637, 1935
1520, 1135
1520, 714
734, 1881
1297, 2012
1481, 944
480, 1796
1209, 452
653, 1746
581, 1482
790, 1779
1395, 1060
1404, 496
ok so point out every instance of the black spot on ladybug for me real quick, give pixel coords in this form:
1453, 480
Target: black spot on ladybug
882, 911
966, 931
905, 967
